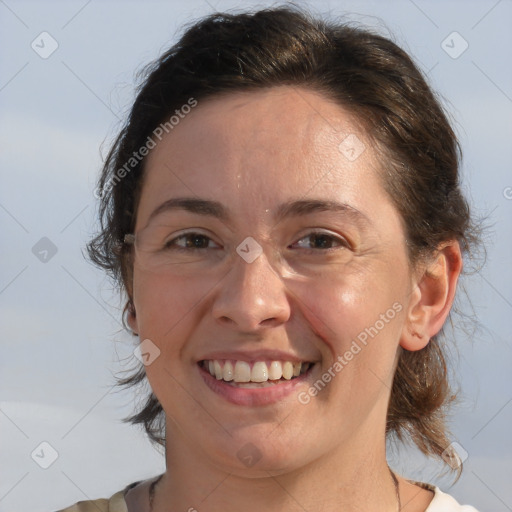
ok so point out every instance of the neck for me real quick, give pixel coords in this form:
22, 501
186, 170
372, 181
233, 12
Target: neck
351, 477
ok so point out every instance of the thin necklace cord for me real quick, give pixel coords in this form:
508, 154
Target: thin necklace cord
395, 481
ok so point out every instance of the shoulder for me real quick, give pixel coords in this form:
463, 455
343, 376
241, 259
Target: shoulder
88, 506
443, 502
116, 503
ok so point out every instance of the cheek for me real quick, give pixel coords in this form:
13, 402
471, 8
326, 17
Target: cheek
166, 310
362, 308
358, 327
163, 305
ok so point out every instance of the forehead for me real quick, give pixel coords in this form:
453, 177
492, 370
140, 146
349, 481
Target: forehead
263, 146
277, 119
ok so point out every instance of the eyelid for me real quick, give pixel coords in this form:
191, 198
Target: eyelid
191, 231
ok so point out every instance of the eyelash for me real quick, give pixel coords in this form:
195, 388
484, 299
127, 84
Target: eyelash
171, 244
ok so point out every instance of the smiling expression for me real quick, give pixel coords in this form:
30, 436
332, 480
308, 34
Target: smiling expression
261, 176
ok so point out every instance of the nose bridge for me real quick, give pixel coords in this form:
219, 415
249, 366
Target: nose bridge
253, 293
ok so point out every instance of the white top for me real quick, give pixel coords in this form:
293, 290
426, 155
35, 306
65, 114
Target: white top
443, 502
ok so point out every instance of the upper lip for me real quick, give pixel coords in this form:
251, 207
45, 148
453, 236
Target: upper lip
256, 355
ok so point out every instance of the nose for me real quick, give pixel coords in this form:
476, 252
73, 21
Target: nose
251, 296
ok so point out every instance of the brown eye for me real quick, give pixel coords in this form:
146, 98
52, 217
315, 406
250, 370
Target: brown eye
321, 241
190, 241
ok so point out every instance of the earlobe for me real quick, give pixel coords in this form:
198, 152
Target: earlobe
432, 297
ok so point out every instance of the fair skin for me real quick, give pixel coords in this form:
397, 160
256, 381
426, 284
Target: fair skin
252, 152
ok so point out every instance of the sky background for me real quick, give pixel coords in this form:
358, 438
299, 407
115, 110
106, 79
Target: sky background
61, 338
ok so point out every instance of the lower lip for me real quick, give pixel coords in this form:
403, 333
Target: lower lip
253, 396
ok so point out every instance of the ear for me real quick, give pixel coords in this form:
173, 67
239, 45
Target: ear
432, 297
131, 317
127, 277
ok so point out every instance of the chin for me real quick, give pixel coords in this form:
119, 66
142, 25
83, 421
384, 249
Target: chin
255, 452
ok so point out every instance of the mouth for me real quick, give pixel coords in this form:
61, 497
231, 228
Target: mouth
255, 382
243, 374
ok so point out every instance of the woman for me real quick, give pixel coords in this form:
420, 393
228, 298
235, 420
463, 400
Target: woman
283, 212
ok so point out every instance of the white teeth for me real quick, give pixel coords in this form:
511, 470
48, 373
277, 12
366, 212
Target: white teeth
218, 370
259, 372
275, 372
288, 370
242, 372
227, 371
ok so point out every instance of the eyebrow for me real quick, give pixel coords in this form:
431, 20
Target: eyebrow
286, 210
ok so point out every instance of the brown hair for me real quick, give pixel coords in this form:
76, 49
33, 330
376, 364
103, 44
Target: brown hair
367, 74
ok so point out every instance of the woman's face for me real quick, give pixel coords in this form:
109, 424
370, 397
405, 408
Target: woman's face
294, 254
